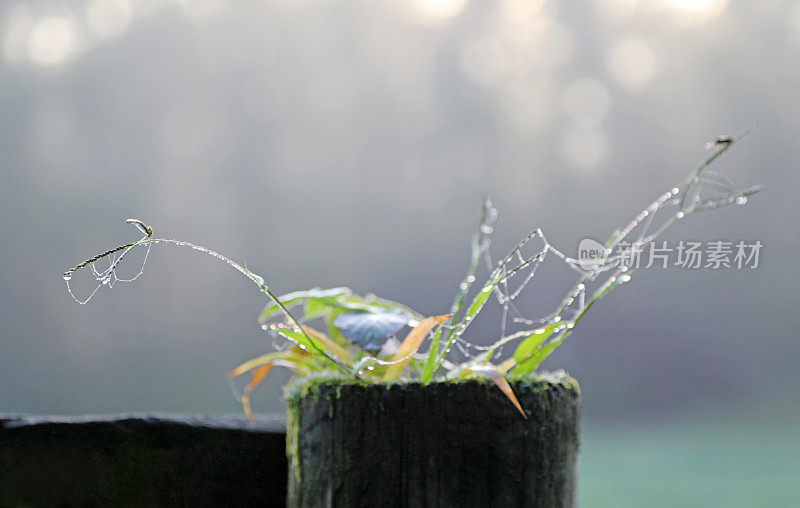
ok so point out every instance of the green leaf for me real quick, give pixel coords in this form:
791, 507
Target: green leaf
530, 364
481, 298
373, 304
532, 343
430, 363
326, 302
321, 296
316, 307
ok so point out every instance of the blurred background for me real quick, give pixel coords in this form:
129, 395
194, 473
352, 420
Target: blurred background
344, 143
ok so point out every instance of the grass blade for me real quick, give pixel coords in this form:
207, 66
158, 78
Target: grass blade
529, 364
534, 341
481, 241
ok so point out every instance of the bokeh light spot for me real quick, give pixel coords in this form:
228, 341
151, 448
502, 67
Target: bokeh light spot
584, 148
586, 101
108, 18
633, 62
436, 11
696, 12
53, 40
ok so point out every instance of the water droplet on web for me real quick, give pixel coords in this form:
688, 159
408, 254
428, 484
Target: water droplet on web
471, 278
680, 215
741, 200
676, 190
557, 319
67, 276
626, 278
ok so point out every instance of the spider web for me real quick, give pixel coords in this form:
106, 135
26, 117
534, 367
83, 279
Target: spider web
702, 190
109, 277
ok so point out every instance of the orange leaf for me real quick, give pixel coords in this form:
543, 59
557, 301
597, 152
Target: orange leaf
258, 375
502, 383
340, 352
411, 344
256, 362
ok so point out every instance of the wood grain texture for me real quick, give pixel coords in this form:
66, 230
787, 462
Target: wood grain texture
441, 445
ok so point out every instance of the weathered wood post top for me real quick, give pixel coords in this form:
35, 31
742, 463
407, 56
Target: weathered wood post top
441, 445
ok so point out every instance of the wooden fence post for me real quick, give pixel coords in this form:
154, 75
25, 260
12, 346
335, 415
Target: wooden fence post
442, 445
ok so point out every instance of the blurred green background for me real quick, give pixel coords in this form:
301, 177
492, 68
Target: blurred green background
333, 143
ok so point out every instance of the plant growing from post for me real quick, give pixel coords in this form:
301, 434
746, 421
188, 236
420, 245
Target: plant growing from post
355, 336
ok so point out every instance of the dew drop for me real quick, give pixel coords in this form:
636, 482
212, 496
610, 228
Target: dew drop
741, 200
67, 276
626, 278
676, 190
680, 215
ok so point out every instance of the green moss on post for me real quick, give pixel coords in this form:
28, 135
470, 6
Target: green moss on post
442, 445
